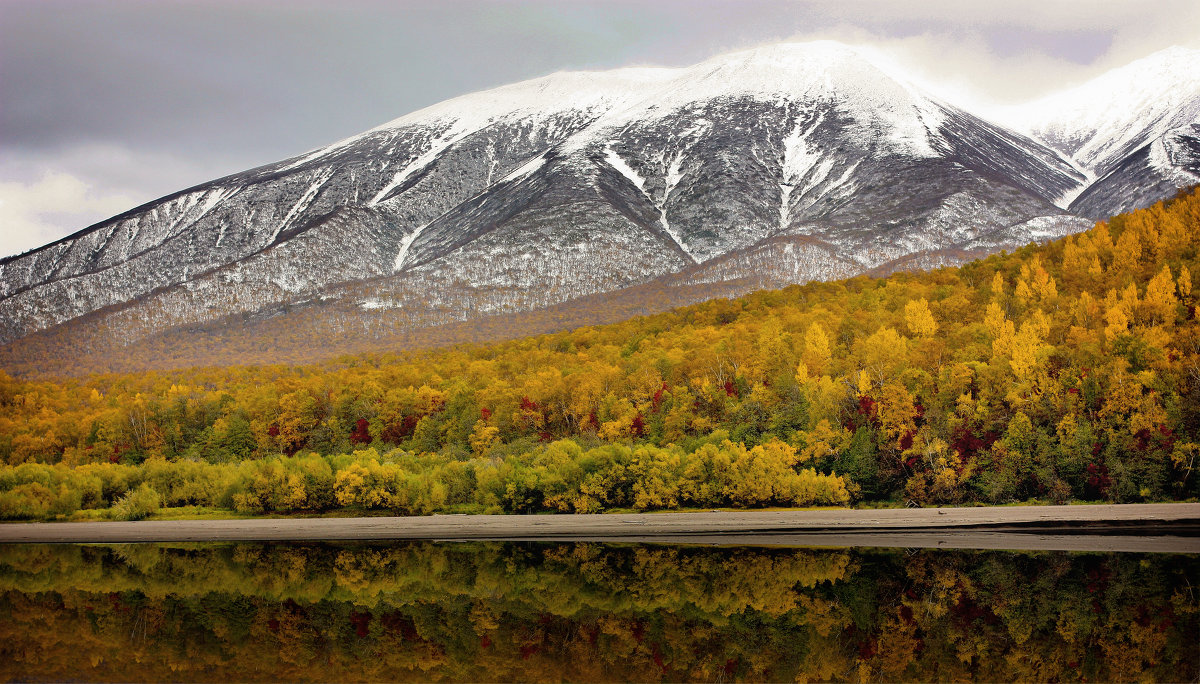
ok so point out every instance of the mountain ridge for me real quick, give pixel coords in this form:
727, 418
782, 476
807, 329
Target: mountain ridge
1134, 153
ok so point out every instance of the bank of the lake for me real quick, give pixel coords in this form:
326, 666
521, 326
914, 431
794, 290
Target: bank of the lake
1175, 525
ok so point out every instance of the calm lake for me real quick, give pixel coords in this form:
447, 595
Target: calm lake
434, 611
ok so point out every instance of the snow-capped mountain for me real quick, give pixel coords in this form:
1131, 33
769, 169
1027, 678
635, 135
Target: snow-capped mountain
1135, 130
776, 165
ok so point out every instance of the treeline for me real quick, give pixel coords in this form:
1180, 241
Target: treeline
582, 612
560, 477
1064, 371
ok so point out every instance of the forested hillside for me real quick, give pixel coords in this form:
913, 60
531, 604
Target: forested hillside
1064, 371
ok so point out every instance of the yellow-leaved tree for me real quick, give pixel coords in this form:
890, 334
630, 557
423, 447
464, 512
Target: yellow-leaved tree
919, 318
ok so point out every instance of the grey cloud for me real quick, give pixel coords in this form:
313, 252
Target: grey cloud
275, 78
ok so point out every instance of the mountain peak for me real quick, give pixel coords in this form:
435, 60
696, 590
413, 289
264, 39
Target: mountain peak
1171, 56
1176, 68
790, 65
790, 52
824, 71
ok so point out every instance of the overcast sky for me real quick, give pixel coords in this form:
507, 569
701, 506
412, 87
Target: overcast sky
106, 105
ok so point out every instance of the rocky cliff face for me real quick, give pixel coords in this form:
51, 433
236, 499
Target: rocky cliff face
777, 165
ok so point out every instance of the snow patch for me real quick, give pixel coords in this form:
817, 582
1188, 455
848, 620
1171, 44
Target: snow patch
212, 198
840, 183
492, 161
1064, 200
436, 146
405, 244
372, 304
407, 241
798, 160
318, 153
614, 160
525, 169
303, 203
1160, 159
674, 175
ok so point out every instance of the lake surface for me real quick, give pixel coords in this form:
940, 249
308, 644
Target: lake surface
530, 611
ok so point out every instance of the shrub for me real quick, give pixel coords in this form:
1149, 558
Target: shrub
34, 500
137, 504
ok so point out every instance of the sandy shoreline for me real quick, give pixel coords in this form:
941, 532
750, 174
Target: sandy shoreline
1132, 527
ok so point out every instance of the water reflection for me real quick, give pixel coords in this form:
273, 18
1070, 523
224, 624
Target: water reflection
582, 611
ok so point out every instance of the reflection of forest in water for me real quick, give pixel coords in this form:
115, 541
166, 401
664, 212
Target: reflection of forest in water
586, 611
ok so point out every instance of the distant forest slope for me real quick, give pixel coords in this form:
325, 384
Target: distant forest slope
323, 329
1064, 371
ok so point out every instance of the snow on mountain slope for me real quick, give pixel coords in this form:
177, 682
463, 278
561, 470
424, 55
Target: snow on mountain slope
819, 72
1148, 174
780, 164
1130, 129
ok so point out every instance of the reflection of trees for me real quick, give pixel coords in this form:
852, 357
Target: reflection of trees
588, 611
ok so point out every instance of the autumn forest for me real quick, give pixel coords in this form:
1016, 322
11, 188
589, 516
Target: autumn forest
1068, 371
